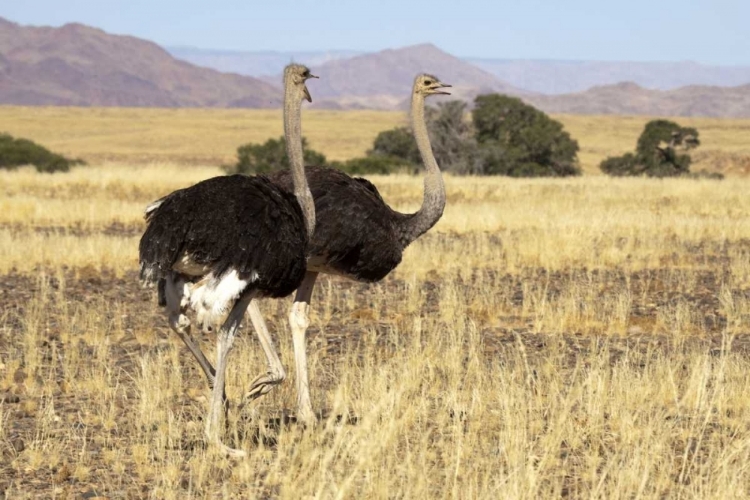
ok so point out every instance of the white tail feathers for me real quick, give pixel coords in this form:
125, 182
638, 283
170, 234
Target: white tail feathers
152, 208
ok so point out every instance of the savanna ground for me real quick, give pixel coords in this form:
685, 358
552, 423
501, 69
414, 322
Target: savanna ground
584, 337
211, 136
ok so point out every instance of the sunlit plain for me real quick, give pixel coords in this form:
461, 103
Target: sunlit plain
582, 337
211, 136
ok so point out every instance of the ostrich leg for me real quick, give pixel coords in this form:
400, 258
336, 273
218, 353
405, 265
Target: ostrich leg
180, 324
275, 374
299, 321
226, 337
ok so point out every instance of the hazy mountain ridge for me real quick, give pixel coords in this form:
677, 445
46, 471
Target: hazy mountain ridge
83, 66
381, 80
256, 64
532, 75
563, 77
628, 98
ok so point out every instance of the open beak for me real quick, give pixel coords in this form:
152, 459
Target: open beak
307, 92
443, 92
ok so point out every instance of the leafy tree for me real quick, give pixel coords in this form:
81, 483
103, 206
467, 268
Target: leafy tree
518, 140
661, 151
270, 157
17, 152
619, 166
658, 133
396, 143
372, 165
451, 137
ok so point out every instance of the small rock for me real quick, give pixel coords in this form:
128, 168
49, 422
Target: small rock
91, 495
18, 445
20, 376
9, 398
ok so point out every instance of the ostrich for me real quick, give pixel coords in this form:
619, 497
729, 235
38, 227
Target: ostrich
357, 234
219, 245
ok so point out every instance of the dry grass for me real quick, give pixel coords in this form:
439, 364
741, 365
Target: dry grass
725, 143
187, 136
211, 136
581, 338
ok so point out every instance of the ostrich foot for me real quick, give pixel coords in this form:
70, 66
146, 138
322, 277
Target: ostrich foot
214, 444
263, 384
306, 416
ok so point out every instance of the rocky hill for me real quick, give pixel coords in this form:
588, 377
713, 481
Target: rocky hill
82, 66
631, 99
382, 80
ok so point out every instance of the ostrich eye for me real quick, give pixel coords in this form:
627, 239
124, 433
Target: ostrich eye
428, 82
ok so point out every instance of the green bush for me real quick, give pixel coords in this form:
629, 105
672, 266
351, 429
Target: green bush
661, 151
270, 157
373, 165
519, 140
619, 166
18, 152
396, 143
451, 137
658, 133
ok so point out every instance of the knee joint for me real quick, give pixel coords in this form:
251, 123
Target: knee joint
179, 322
298, 317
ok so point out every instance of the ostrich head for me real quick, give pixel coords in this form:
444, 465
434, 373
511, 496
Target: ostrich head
297, 75
426, 85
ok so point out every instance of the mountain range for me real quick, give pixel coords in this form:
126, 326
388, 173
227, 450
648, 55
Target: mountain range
378, 80
78, 65
562, 77
83, 66
627, 98
257, 64
532, 75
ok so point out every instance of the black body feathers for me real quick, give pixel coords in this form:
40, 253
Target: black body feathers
236, 222
356, 233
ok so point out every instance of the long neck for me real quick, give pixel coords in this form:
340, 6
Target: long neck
293, 136
433, 202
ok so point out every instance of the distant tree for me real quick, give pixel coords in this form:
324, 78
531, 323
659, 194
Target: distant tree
619, 166
518, 140
270, 157
451, 135
661, 151
18, 152
396, 143
373, 165
660, 133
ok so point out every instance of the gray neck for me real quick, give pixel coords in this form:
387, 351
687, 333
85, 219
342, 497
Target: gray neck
433, 202
293, 136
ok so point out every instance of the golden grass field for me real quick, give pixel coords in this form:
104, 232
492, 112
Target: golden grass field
579, 338
211, 136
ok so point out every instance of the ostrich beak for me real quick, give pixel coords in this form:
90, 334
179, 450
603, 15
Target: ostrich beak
442, 92
307, 93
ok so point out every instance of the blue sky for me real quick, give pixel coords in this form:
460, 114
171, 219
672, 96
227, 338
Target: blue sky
715, 32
